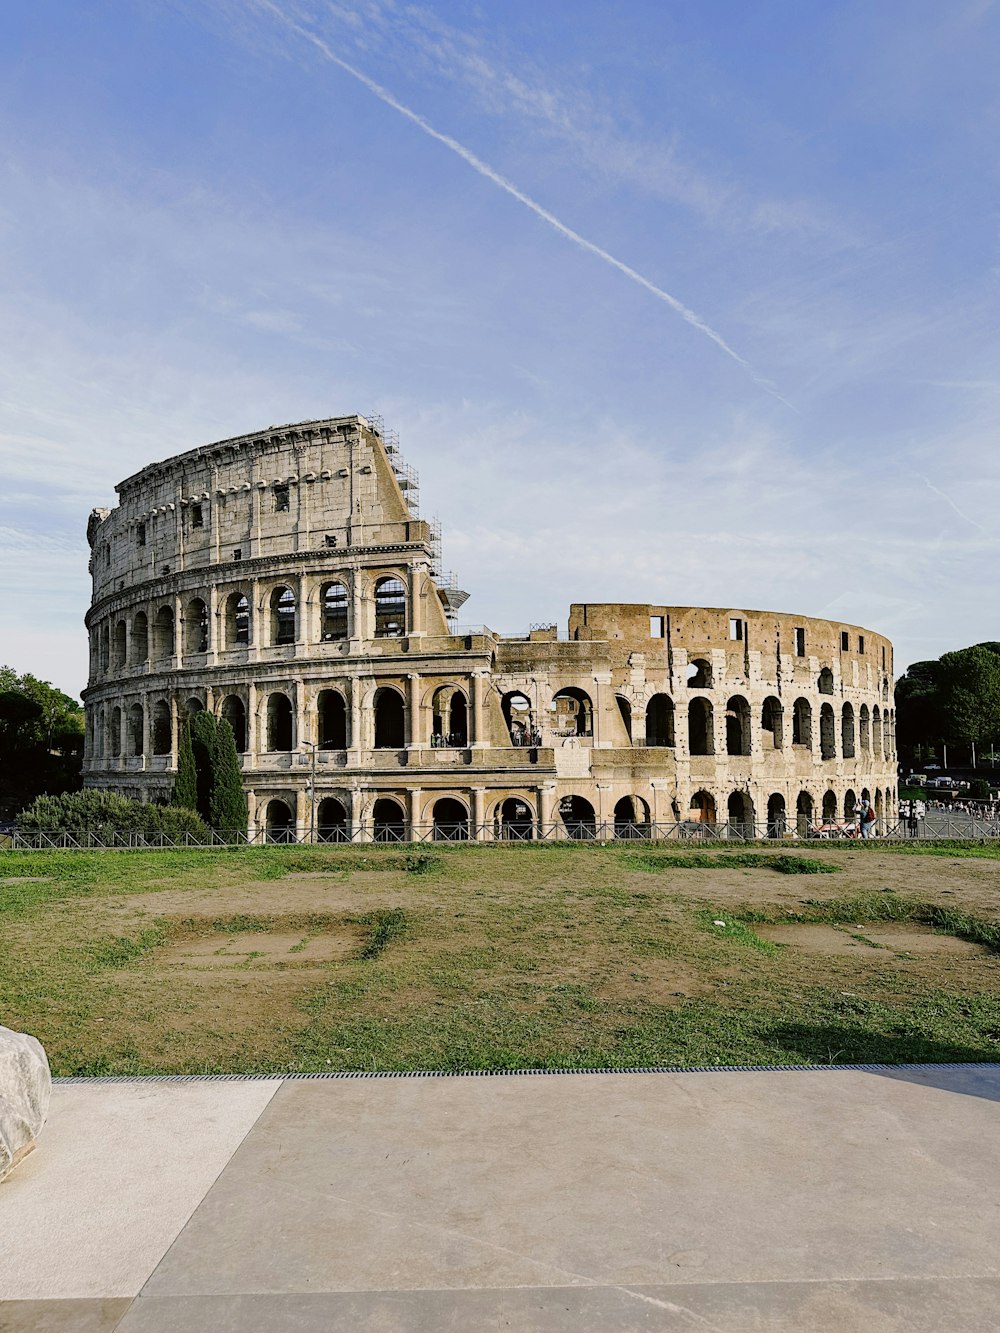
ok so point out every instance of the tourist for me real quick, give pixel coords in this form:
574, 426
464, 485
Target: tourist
866, 817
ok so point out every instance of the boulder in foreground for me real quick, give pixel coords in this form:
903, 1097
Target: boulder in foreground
25, 1087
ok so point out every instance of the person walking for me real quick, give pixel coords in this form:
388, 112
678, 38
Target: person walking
866, 818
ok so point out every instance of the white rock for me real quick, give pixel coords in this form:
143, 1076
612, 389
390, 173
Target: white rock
25, 1087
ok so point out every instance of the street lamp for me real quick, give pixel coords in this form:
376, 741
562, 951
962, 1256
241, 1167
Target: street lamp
312, 791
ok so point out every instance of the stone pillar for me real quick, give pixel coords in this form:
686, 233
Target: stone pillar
356, 737
147, 730
414, 795
123, 734
178, 632
301, 814
604, 811
415, 600
175, 731
256, 626
548, 814
479, 736
298, 706
481, 833
602, 682
359, 626
251, 816
413, 703
214, 629
250, 758
358, 833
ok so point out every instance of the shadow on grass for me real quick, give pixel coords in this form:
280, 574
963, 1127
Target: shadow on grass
975, 1069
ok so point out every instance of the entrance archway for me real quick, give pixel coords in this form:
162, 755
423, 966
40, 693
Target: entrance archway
577, 815
776, 815
279, 822
631, 818
740, 814
331, 821
388, 821
450, 820
515, 823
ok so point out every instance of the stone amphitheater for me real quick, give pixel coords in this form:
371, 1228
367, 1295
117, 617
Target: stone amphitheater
285, 581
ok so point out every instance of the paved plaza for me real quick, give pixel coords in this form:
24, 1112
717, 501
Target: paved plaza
777, 1201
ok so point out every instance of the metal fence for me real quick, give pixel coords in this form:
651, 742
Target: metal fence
687, 831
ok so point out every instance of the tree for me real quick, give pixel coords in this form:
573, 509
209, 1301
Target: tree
955, 699
228, 812
204, 734
41, 739
185, 793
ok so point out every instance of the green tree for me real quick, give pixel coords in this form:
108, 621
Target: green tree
204, 730
185, 793
104, 815
228, 812
41, 739
955, 699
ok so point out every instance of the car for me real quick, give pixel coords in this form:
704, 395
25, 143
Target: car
932, 768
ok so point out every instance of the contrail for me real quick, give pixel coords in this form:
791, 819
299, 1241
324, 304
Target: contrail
485, 170
948, 500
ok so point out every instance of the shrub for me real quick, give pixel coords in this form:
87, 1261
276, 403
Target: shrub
105, 814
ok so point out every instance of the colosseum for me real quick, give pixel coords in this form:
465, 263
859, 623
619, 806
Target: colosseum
284, 580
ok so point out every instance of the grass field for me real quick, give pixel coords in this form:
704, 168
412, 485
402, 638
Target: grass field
570, 956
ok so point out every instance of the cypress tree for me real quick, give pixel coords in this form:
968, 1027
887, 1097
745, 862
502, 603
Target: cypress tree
203, 738
185, 791
228, 803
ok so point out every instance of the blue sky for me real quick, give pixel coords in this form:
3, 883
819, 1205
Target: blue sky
218, 215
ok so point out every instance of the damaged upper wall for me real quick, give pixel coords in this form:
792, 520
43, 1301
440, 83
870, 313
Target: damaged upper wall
272, 493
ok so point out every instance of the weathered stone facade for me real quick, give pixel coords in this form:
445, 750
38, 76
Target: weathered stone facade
283, 580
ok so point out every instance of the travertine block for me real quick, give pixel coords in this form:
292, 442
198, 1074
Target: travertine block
25, 1087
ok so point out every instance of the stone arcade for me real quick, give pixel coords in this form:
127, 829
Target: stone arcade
283, 580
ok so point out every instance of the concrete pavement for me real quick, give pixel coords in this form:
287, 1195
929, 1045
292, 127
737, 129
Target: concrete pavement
805, 1200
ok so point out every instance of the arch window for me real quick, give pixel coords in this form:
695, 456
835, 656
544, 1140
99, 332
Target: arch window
520, 719
105, 648
573, 714
802, 723
279, 722
136, 730
803, 814
702, 808
827, 733
237, 620
279, 822
161, 728
879, 806
192, 706
740, 814
388, 820
847, 742
335, 612
631, 818
777, 819
577, 815
863, 728
876, 732
515, 822
140, 639
450, 820
390, 725
771, 723
699, 674
830, 807
234, 712
332, 824
825, 682
850, 805
196, 626
390, 608
115, 737
660, 720
163, 633
701, 739
283, 616
737, 725
449, 718
625, 712
331, 715
119, 649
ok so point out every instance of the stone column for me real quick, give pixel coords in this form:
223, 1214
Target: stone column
602, 681
214, 627
413, 701
548, 815
479, 737
250, 757
147, 730
414, 795
175, 731
359, 626
256, 626
123, 735
301, 813
481, 833
251, 816
358, 834
356, 738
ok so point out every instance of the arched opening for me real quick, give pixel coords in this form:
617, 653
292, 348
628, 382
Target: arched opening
803, 814
235, 713
388, 821
850, 805
879, 807
737, 725
161, 727
827, 733
450, 820
574, 713
390, 608
660, 720
864, 734
331, 821
740, 814
196, 627
335, 612
450, 717
119, 649
140, 639
802, 723
115, 738
700, 727
331, 717
283, 616
577, 815
631, 818
515, 820
702, 808
866, 795
192, 706
876, 732
390, 722
847, 731
520, 719
777, 818
105, 647
625, 711
279, 722
699, 674
771, 723
830, 806
136, 727
279, 822
163, 633
237, 620
825, 682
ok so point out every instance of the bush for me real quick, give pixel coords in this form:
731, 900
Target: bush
105, 814
979, 789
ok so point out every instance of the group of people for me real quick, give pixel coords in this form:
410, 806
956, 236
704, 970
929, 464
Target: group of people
521, 736
447, 740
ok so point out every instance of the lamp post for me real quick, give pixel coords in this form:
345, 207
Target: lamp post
312, 790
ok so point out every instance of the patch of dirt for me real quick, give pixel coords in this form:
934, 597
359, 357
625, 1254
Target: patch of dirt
901, 937
664, 981
260, 948
358, 890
